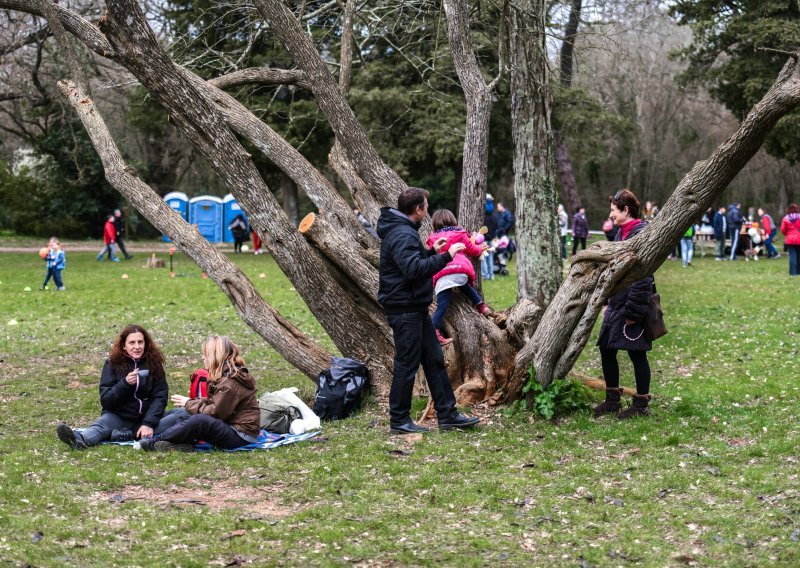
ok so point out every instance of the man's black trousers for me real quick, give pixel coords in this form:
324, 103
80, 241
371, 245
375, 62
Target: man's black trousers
415, 343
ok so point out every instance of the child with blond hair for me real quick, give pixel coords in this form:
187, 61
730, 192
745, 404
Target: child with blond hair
55, 261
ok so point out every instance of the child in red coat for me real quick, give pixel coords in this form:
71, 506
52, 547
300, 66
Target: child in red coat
109, 240
459, 273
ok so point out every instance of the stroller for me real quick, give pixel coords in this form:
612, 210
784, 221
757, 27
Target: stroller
504, 249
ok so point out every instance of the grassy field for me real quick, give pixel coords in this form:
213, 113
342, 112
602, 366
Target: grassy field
710, 479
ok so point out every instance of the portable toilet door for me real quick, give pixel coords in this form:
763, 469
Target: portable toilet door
205, 212
178, 201
232, 209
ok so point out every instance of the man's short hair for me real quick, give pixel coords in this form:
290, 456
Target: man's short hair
410, 199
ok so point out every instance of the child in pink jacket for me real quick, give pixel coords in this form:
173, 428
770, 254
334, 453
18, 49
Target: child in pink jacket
459, 273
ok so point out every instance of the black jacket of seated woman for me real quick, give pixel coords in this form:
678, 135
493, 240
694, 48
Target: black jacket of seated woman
622, 327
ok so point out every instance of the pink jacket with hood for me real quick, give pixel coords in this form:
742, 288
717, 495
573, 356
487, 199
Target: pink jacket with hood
460, 264
790, 226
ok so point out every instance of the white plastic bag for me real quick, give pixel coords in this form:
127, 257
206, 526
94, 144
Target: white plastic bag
310, 421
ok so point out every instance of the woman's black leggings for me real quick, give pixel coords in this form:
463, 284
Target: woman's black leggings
641, 369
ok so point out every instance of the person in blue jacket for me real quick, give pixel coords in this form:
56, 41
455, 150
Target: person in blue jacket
133, 393
406, 291
735, 220
56, 262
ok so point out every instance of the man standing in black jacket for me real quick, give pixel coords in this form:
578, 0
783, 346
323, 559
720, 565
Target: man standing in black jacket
406, 292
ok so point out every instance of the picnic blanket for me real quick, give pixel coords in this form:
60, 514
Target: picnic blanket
266, 441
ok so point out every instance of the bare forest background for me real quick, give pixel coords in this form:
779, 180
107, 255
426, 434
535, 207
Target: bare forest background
630, 118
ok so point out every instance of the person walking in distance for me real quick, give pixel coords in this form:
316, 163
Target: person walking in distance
109, 240
720, 224
119, 226
406, 291
790, 227
563, 222
770, 230
580, 230
735, 220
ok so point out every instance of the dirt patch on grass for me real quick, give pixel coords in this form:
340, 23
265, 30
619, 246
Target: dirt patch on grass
217, 496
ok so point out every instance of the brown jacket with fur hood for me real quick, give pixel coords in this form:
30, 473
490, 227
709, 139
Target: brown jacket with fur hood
233, 400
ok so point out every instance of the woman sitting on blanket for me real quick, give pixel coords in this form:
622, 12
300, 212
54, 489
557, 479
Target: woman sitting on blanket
133, 393
228, 418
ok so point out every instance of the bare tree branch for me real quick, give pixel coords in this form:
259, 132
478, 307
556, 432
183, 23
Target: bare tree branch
346, 59
301, 351
261, 76
74, 23
28, 39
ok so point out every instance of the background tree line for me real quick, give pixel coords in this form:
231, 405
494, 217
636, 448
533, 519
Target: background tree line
654, 88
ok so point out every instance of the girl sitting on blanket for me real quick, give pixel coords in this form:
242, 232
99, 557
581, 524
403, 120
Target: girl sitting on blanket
133, 393
228, 418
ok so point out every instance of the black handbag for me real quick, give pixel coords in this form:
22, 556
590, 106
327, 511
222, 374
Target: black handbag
654, 326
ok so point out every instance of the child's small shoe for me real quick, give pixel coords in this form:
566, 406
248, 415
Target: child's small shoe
484, 309
442, 339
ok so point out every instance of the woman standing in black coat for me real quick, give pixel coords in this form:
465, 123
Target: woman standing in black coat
622, 321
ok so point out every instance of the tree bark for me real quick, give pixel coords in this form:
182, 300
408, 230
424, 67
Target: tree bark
567, 55
328, 240
261, 76
478, 95
539, 257
566, 175
289, 199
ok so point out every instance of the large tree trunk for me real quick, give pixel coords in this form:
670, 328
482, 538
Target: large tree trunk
353, 321
539, 258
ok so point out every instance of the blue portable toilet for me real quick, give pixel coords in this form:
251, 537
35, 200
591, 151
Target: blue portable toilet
205, 212
232, 209
179, 201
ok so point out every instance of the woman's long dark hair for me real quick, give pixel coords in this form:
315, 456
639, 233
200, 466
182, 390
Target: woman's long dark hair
152, 358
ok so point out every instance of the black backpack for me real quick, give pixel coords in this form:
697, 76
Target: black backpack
339, 388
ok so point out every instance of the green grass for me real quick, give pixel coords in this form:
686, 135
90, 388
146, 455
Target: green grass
711, 477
